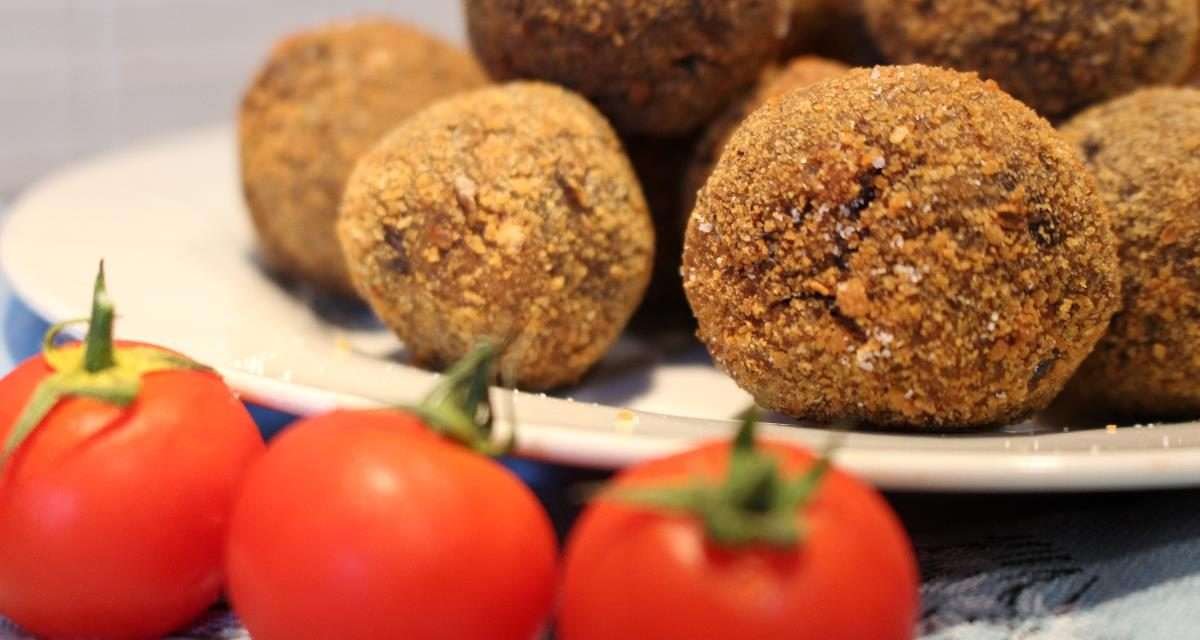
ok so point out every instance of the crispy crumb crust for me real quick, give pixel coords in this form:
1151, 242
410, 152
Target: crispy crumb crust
1145, 152
509, 213
656, 67
322, 99
1056, 55
798, 73
904, 246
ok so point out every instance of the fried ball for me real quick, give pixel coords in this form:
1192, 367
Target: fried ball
800, 72
322, 99
1056, 55
1145, 151
654, 67
902, 246
509, 214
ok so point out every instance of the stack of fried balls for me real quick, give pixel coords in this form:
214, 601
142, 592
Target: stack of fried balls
907, 214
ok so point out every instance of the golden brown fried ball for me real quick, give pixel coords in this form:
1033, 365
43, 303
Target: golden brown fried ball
509, 214
655, 67
322, 99
1056, 55
905, 246
800, 72
1145, 151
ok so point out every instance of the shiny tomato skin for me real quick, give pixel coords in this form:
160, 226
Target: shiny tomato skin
362, 526
634, 574
112, 521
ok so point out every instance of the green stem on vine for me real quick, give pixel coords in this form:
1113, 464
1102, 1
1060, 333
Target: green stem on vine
459, 407
98, 352
754, 504
104, 372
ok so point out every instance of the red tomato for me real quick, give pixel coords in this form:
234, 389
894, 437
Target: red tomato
363, 525
634, 572
113, 520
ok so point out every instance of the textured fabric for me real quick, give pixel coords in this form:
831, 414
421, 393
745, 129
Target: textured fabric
1091, 567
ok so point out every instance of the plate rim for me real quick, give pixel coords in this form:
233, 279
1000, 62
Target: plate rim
925, 470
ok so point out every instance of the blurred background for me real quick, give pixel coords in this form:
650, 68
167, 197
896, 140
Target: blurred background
82, 76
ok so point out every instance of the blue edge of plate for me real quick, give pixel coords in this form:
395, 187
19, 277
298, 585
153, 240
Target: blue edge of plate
22, 336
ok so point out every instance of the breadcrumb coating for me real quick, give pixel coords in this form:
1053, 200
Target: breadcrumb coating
654, 67
902, 246
1145, 152
798, 73
1058, 56
322, 99
511, 214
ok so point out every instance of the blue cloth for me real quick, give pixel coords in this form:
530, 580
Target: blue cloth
1043, 567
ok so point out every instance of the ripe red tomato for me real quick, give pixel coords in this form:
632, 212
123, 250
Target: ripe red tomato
113, 520
364, 525
638, 572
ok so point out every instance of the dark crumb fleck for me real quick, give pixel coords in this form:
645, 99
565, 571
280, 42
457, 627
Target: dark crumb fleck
571, 194
850, 325
1040, 372
866, 194
1045, 231
395, 239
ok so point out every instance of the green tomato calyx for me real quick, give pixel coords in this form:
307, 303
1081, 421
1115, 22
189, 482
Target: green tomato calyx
97, 369
459, 407
754, 504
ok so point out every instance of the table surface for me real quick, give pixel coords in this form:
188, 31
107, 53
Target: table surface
1042, 567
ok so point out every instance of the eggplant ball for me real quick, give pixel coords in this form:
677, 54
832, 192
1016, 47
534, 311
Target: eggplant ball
1145, 152
907, 247
1058, 56
654, 67
508, 214
800, 72
321, 100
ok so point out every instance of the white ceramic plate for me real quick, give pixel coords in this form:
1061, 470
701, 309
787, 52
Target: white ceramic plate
168, 218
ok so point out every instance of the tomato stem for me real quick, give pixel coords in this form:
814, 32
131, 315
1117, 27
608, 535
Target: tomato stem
754, 504
98, 352
460, 408
101, 372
